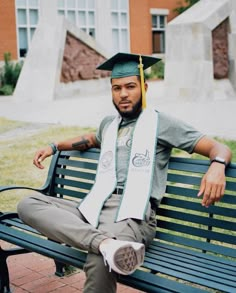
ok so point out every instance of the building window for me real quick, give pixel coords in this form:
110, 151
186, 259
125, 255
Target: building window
159, 21
119, 22
79, 12
27, 14
158, 33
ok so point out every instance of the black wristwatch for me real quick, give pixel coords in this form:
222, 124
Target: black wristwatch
219, 160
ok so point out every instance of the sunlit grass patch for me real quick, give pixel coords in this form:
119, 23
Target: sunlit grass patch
6, 124
16, 158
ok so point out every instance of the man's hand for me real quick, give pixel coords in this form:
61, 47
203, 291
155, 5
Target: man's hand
41, 155
212, 186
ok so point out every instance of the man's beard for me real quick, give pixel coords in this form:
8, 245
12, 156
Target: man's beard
132, 113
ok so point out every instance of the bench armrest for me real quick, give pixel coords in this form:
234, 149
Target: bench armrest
12, 187
7, 216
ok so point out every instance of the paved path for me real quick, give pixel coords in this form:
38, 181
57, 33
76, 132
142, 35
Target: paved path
216, 118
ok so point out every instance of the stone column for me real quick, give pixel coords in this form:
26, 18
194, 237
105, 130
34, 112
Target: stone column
42, 66
232, 45
189, 56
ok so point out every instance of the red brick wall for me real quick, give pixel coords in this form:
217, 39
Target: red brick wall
221, 50
140, 22
8, 39
80, 61
140, 25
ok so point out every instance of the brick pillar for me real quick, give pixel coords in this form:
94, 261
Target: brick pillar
221, 50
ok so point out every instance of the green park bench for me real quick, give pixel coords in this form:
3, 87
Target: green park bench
194, 249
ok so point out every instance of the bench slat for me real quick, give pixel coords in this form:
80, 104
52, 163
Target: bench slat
92, 154
193, 268
198, 232
194, 180
184, 179
205, 220
200, 245
197, 166
18, 224
156, 284
188, 254
188, 167
192, 263
67, 192
77, 174
196, 206
77, 164
203, 279
73, 183
43, 246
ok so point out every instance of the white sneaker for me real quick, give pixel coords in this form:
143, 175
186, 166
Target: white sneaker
124, 257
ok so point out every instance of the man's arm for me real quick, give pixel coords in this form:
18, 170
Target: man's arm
212, 186
78, 143
81, 143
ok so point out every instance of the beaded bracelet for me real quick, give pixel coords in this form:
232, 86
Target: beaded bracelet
54, 148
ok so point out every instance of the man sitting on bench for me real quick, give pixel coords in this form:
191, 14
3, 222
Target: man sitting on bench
117, 219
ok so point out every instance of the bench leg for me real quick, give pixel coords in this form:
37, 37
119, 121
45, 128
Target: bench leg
4, 274
60, 268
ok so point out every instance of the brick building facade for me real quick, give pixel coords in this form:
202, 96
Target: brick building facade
148, 21
8, 35
132, 26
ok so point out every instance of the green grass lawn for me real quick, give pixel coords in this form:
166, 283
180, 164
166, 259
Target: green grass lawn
16, 157
17, 152
230, 143
6, 125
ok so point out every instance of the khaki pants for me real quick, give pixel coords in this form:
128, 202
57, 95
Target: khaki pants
60, 220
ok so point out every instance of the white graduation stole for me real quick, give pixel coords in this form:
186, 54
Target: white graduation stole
137, 190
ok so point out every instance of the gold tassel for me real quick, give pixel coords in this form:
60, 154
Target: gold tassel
144, 103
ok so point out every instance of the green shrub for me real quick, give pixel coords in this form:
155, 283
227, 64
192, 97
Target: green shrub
184, 7
10, 75
157, 71
6, 90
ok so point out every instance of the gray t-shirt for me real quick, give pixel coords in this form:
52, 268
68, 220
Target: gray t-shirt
172, 133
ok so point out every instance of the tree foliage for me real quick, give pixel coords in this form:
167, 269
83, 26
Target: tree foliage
184, 7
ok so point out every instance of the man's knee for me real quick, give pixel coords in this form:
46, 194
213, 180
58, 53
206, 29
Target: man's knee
25, 207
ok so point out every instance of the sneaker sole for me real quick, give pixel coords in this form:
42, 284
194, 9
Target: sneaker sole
129, 257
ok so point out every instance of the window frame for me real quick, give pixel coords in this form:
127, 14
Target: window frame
159, 30
87, 27
27, 26
120, 27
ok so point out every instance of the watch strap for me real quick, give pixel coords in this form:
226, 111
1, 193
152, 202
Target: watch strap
219, 160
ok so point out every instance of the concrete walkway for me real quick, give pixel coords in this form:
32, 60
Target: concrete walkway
213, 117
